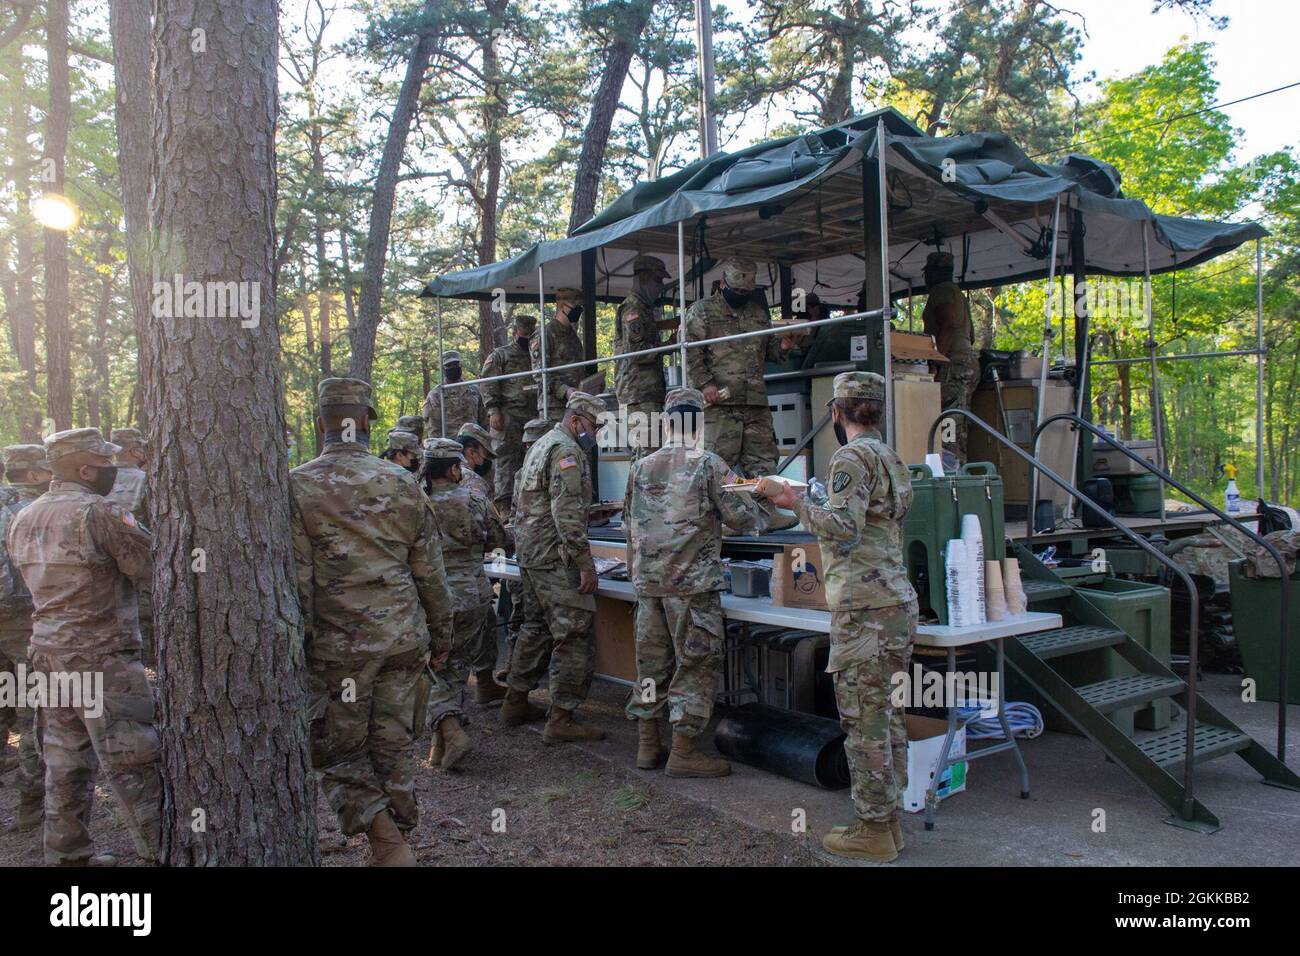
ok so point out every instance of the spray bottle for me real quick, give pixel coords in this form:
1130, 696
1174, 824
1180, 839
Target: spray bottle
1231, 496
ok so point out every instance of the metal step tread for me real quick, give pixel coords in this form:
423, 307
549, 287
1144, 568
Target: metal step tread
1117, 693
1210, 741
1045, 590
1071, 640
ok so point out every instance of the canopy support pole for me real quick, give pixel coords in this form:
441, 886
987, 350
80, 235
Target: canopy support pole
1157, 425
681, 297
1048, 334
1259, 370
589, 306
442, 392
541, 331
1081, 459
885, 298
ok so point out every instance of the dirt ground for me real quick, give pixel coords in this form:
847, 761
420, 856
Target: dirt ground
560, 806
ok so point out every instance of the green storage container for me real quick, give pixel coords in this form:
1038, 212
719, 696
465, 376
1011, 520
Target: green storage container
1255, 623
937, 508
1137, 494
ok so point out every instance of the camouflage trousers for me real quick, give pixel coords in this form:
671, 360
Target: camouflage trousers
644, 431
869, 646
363, 736
469, 652
121, 737
508, 446
516, 621
21, 719
957, 385
557, 636
742, 436
678, 646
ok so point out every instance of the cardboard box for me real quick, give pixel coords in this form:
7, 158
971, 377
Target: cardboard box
924, 741
798, 578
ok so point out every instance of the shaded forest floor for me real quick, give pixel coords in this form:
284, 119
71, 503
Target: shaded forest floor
560, 806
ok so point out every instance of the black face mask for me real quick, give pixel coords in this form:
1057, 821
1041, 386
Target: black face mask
586, 440
840, 434
105, 478
522, 343
736, 299
483, 469
575, 314
452, 373
413, 467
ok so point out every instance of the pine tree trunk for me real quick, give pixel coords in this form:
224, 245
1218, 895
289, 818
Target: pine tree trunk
58, 370
238, 785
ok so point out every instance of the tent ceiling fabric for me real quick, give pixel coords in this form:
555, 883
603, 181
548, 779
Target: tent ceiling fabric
797, 202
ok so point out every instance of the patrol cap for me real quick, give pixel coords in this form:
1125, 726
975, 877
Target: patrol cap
480, 434
536, 428
128, 437
437, 449
858, 385
345, 391
25, 457
78, 440
650, 264
399, 439
451, 357
683, 398
410, 423
524, 324
586, 404
568, 295
939, 261
740, 274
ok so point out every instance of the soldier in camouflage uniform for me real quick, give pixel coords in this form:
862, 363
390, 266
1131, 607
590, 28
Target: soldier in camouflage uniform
509, 403
562, 347
533, 430
402, 449
559, 575
373, 594
30, 476
471, 531
476, 446
464, 404
947, 318
130, 492
81, 557
873, 608
737, 419
639, 382
411, 423
674, 512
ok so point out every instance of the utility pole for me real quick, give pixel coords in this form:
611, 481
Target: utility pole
704, 43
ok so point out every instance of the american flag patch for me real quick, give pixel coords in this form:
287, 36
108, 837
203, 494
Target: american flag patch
568, 461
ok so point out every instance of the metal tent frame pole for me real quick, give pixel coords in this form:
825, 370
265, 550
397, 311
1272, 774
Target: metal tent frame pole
442, 393
885, 298
1157, 425
681, 298
1048, 334
541, 331
1259, 371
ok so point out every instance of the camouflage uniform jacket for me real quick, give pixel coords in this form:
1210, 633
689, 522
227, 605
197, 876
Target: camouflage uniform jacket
129, 491
82, 557
16, 619
512, 395
737, 366
640, 379
675, 509
472, 479
553, 503
860, 528
8, 495
464, 404
370, 575
562, 347
471, 530
949, 293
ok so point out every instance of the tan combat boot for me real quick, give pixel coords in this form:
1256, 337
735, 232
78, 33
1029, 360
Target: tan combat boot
437, 747
685, 761
896, 831
561, 728
387, 845
649, 745
486, 689
455, 742
864, 840
517, 709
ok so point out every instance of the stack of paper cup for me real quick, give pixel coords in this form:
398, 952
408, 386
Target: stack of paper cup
1017, 603
995, 596
972, 535
935, 464
956, 573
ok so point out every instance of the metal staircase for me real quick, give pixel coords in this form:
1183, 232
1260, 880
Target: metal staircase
1206, 733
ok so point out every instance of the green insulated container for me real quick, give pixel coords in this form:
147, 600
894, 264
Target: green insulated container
1256, 622
937, 507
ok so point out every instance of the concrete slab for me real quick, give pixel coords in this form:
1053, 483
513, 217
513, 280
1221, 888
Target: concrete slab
989, 825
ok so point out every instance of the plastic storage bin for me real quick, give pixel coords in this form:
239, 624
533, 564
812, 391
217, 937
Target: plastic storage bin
1255, 622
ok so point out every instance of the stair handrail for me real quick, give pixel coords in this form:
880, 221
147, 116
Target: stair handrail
1284, 633
1189, 763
